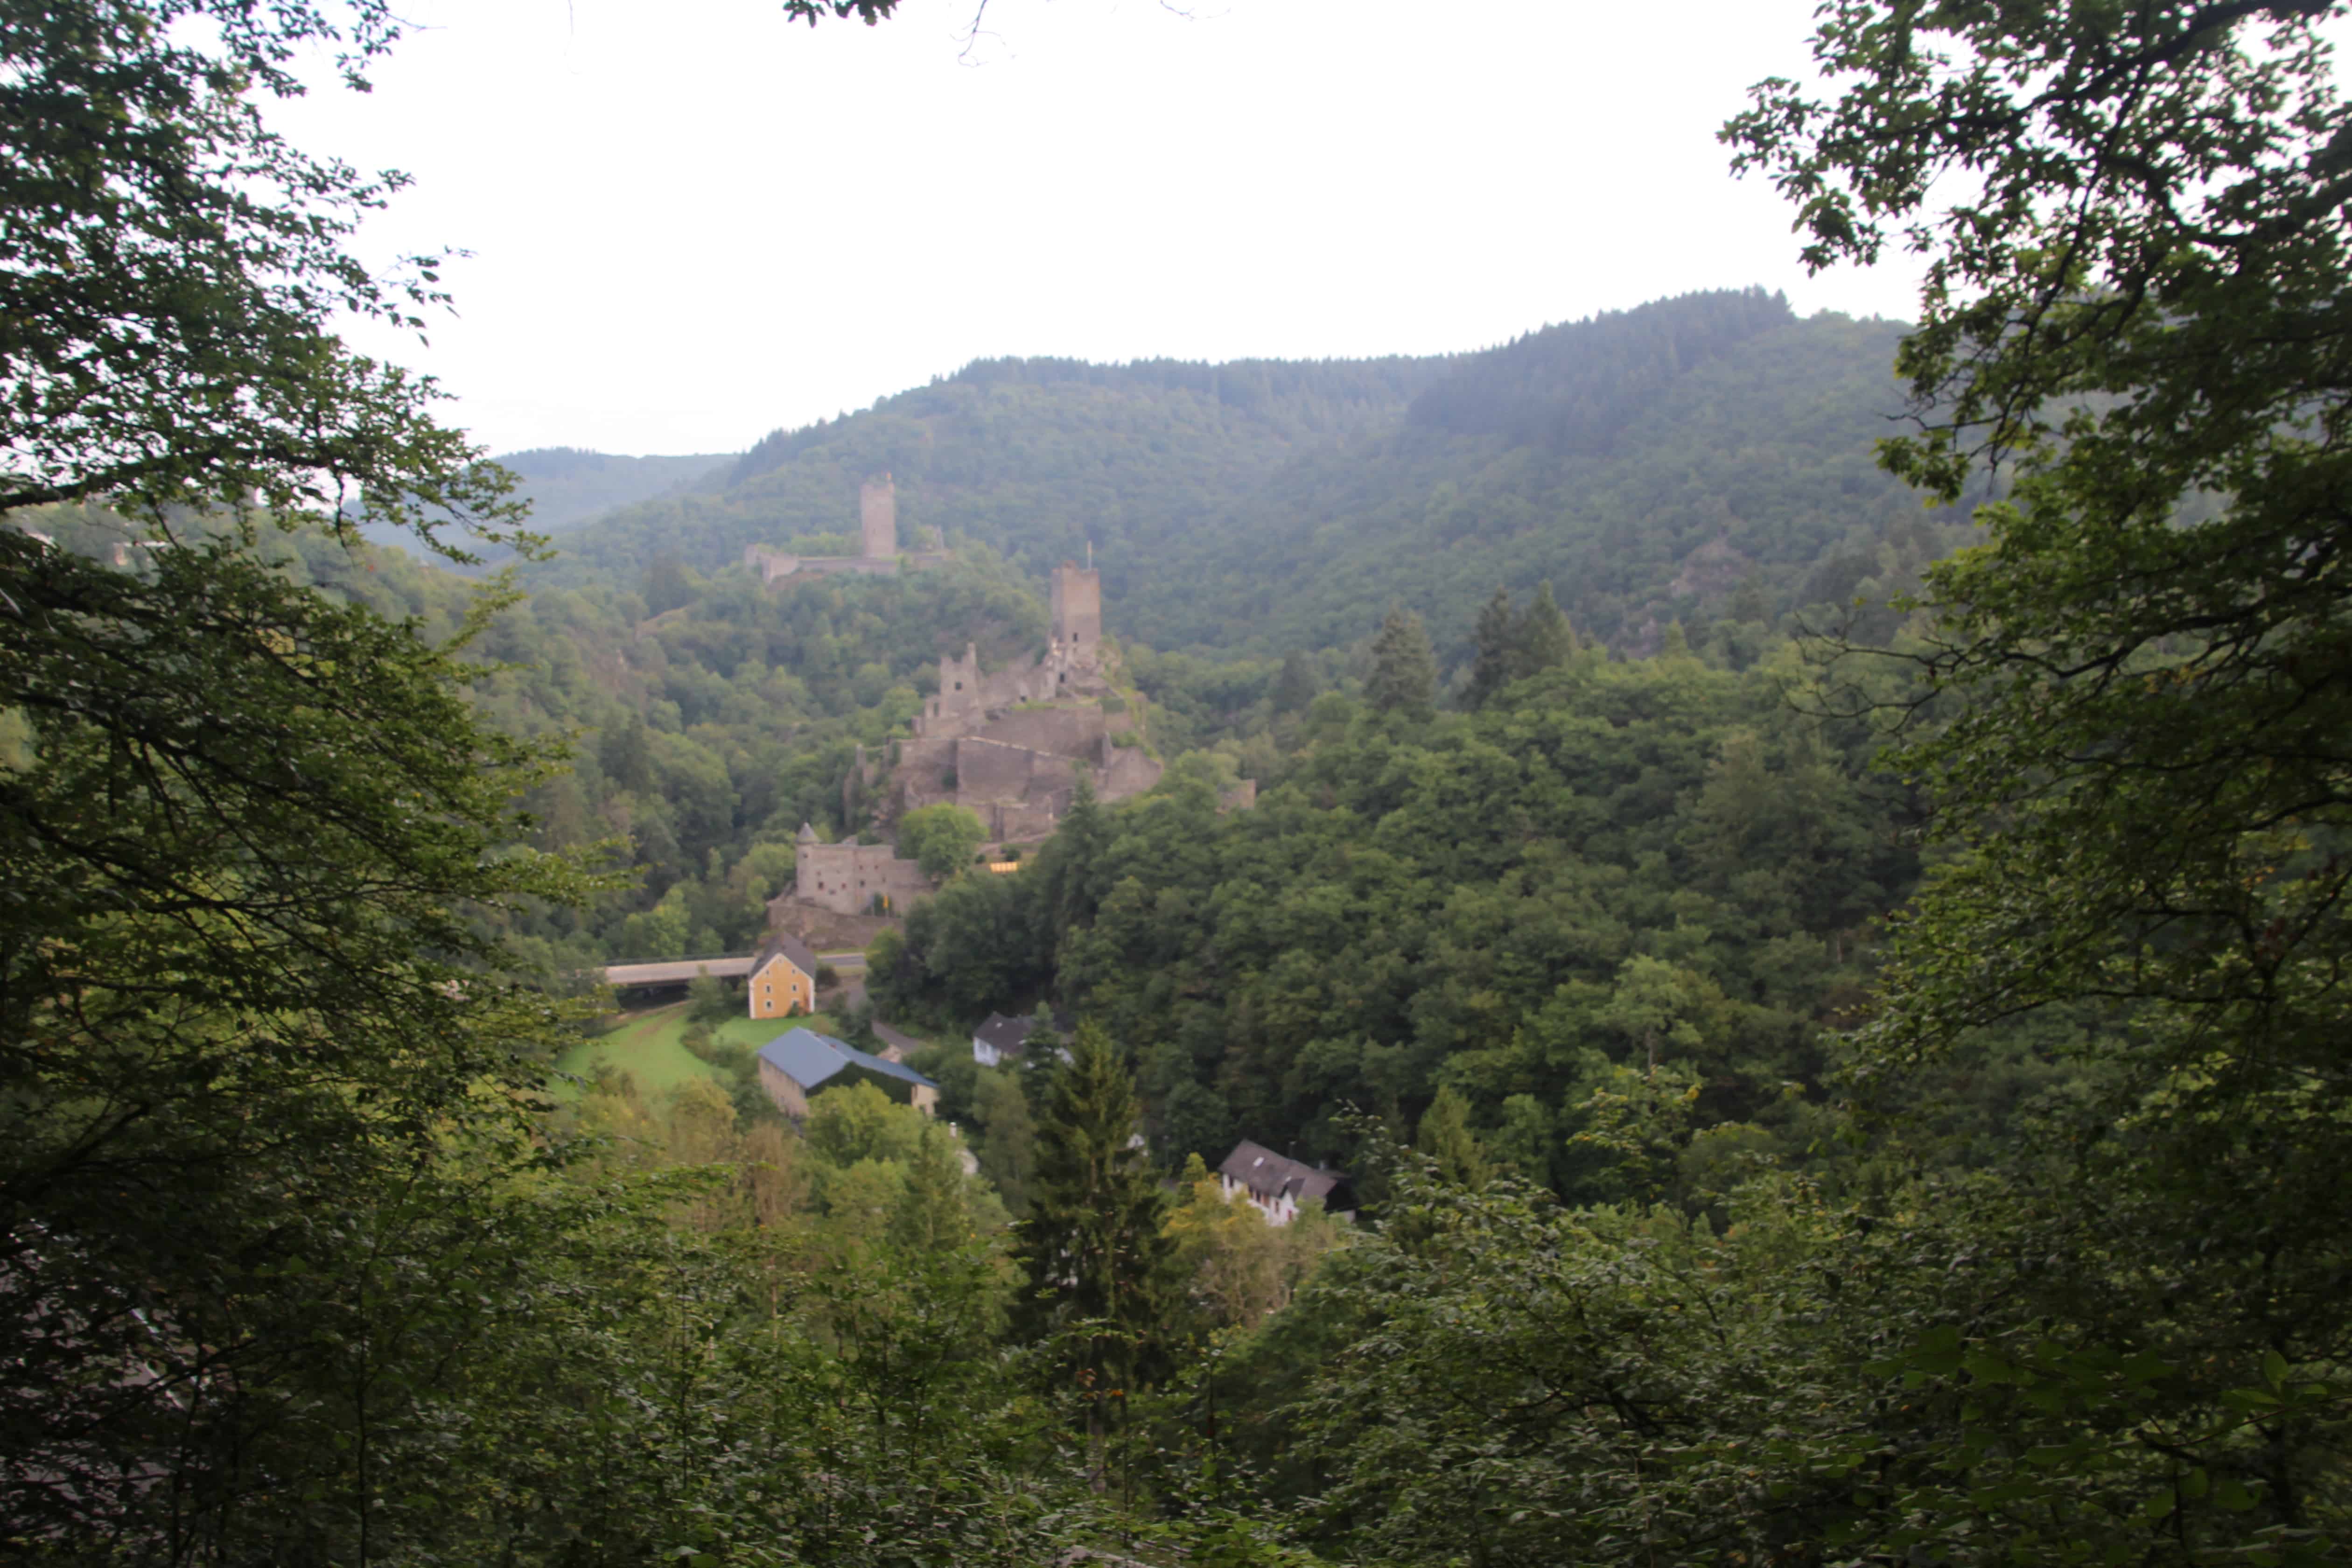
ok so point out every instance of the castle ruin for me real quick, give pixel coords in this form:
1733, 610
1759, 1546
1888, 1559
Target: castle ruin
849, 879
1010, 745
877, 526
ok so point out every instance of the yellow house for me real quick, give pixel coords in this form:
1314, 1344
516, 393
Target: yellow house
782, 980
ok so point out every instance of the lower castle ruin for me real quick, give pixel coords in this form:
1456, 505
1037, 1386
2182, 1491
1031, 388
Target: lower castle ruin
1009, 745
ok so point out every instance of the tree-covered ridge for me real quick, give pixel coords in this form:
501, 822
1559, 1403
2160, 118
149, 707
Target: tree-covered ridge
1573, 389
1649, 463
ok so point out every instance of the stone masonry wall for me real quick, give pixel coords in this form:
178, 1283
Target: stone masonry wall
1077, 598
1064, 731
1132, 771
990, 771
845, 878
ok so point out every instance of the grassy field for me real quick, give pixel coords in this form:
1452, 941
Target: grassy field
647, 1045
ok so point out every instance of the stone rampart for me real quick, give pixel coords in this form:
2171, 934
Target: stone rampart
1028, 822
1064, 731
774, 565
991, 771
1132, 771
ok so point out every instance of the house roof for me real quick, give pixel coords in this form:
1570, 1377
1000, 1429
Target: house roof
791, 950
810, 1059
1270, 1176
1007, 1034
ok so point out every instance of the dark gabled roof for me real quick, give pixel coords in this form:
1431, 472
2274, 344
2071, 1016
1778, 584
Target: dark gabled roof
1002, 1035
1270, 1176
810, 1059
791, 950
1007, 1035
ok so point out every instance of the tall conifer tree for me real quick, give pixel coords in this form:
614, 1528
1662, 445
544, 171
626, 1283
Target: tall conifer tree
1491, 666
1091, 1244
1543, 639
1404, 670
1294, 689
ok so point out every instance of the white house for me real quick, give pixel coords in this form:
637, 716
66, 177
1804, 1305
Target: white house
1279, 1186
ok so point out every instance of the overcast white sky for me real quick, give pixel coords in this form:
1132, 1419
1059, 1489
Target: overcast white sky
693, 222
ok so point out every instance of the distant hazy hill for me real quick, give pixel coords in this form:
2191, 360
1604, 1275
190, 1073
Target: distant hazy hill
567, 485
1652, 463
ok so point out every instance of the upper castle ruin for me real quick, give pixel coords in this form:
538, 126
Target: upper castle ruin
880, 555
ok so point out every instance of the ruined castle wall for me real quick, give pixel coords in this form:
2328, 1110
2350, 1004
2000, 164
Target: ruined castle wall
924, 765
769, 563
1004, 688
1028, 822
1064, 731
774, 565
1076, 593
845, 878
849, 565
1132, 771
986, 770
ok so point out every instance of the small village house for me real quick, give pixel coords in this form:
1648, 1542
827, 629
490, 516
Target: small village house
782, 980
1004, 1037
1281, 1187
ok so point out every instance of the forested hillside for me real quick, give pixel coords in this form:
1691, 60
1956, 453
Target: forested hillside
1659, 866
1651, 463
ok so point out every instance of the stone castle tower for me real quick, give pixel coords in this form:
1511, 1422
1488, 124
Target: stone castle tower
878, 514
1077, 613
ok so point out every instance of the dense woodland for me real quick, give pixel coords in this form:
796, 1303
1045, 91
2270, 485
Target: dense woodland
1834, 1009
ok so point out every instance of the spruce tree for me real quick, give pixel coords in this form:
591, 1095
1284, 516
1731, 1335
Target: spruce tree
1544, 639
1091, 1245
1404, 670
1491, 667
1071, 864
1294, 689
